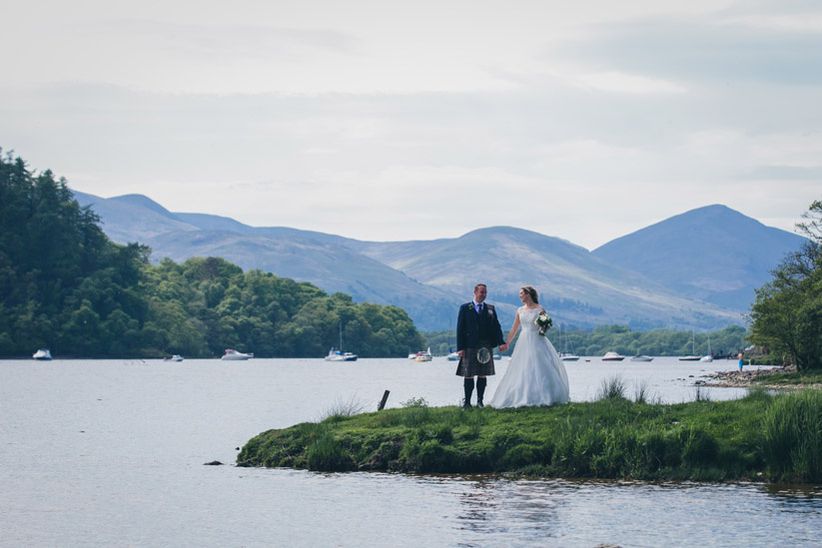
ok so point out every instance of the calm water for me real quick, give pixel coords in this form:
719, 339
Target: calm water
111, 452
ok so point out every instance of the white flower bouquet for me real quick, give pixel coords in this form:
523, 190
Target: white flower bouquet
544, 322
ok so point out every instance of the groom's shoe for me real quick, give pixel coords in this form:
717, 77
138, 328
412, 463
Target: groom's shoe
466, 404
479, 403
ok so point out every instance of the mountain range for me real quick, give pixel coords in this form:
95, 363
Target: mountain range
695, 270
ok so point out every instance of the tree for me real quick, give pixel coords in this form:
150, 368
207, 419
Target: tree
787, 312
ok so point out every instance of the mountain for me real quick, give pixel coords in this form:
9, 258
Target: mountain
695, 270
302, 255
577, 287
712, 253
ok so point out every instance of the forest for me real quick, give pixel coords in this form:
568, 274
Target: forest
65, 286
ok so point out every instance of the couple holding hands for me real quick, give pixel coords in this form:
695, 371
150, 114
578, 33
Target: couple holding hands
535, 375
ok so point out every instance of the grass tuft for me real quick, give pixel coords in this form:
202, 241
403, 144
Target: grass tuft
612, 388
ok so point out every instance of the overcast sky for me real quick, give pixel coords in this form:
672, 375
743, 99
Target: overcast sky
383, 120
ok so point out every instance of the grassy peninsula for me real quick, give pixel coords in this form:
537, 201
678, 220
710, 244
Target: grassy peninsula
760, 437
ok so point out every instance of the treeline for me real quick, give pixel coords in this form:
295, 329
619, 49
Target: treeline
787, 314
617, 338
64, 285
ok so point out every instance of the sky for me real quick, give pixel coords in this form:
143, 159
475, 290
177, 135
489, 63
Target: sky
400, 120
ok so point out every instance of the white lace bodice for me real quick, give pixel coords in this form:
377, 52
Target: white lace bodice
527, 317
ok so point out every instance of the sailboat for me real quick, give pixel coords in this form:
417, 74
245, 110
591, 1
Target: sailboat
564, 355
335, 355
693, 357
709, 357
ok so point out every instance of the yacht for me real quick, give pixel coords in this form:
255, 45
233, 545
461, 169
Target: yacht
452, 357
340, 356
424, 356
565, 355
174, 358
43, 354
642, 358
231, 354
612, 357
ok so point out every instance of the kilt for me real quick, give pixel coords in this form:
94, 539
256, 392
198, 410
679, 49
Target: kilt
470, 366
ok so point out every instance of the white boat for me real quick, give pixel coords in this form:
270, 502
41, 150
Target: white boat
612, 357
43, 354
709, 357
231, 354
340, 356
641, 358
174, 358
424, 356
412, 356
452, 357
565, 355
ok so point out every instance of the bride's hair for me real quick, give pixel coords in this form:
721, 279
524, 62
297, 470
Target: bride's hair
533, 292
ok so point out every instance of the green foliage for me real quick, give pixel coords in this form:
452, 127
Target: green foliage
787, 314
65, 286
793, 437
757, 437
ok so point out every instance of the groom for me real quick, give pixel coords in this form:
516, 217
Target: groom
478, 332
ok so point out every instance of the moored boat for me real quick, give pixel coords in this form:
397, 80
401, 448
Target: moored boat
174, 358
453, 357
231, 354
424, 356
612, 357
569, 357
641, 358
42, 354
340, 356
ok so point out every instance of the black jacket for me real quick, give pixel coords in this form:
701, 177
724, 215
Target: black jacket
476, 330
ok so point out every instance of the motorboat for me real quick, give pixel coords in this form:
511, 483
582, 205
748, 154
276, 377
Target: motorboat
569, 357
612, 357
340, 356
424, 356
43, 354
452, 357
231, 354
641, 358
174, 358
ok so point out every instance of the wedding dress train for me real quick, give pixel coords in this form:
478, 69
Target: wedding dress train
536, 374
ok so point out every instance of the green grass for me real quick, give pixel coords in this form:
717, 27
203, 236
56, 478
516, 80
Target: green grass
807, 378
759, 437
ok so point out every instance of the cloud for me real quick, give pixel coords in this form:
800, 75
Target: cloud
703, 50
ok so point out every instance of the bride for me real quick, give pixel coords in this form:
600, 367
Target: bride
536, 375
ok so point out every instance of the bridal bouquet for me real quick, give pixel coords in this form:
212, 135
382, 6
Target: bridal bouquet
543, 322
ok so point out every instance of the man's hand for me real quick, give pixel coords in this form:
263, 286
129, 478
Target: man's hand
503, 347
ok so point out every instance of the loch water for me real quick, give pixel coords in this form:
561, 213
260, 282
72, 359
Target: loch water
111, 453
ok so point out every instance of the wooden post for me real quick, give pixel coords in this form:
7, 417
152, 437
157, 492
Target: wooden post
383, 400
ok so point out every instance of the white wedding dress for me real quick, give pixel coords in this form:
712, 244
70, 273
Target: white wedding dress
536, 374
